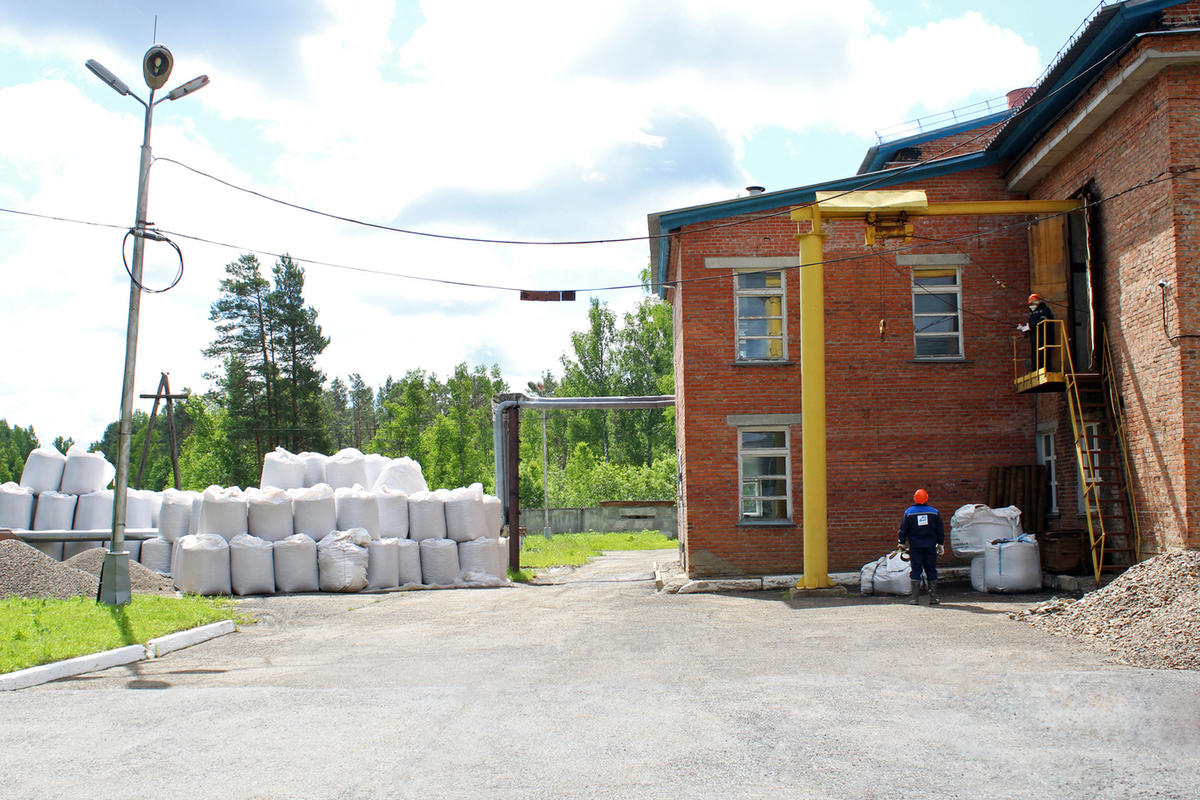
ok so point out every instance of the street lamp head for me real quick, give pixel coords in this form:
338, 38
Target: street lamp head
103, 74
187, 88
156, 66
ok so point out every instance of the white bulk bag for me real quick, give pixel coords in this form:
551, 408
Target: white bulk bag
85, 472
314, 511
426, 516
296, 564
893, 574
502, 548
202, 564
43, 470
974, 526
155, 507
1013, 566
373, 464
175, 515
383, 564
465, 520
139, 509
282, 470
409, 554
393, 513
94, 511
493, 512
197, 507
479, 556
342, 561
156, 555
357, 508
977, 581
345, 468
269, 513
314, 468
866, 575
439, 562
223, 512
55, 512
16, 507
251, 565
403, 474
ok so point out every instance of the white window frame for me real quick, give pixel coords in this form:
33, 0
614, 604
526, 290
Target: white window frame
781, 293
743, 481
925, 318
1046, 454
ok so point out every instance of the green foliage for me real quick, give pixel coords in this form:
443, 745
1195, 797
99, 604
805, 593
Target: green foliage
211, 455
297, 341
563, 549
15, 446
587, 481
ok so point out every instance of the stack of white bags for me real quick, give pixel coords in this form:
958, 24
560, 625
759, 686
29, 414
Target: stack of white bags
343, 523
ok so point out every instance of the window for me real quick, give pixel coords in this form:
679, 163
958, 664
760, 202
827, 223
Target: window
937, 313
759, 299
1045, 454
764, 473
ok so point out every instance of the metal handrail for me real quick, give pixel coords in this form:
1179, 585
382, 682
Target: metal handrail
136, 534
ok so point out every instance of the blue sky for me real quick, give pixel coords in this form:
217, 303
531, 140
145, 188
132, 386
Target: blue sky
524, 120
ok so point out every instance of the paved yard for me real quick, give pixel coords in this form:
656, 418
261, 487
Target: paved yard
599, 687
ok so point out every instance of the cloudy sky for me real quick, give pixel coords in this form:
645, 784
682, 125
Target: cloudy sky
529, 119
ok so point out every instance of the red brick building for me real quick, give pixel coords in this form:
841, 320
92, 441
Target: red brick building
919, 348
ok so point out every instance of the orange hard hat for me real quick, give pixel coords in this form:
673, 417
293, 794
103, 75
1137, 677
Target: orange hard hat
1034, 299
920, 497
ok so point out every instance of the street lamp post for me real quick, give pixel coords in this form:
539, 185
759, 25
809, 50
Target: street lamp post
156, 68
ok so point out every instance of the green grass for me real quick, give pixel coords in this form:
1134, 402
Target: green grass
35, 631
563, 549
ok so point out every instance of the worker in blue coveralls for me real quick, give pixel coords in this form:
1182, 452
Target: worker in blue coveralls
922, 534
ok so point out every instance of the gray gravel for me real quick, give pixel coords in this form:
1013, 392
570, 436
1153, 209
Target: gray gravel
141, 579
26, 572
599, 686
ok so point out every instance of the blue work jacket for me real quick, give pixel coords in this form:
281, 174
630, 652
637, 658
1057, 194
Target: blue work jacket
921, 527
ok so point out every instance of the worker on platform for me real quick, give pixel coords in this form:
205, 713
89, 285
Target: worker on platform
921, 533
1038, 311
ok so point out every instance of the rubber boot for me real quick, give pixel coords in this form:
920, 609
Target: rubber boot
916, 594
933, 598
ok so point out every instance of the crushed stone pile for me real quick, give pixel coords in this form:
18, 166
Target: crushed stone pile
141, 579
26, 572
1147, 617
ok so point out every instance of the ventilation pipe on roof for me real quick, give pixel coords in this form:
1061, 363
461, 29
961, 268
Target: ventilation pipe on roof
755, 190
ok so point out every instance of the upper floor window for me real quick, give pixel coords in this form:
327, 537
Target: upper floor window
759, 298
937, 313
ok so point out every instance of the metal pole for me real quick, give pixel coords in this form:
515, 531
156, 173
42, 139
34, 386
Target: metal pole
545, 479
513, 484
114, 574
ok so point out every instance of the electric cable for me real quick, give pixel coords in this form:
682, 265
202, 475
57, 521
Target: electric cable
147, 233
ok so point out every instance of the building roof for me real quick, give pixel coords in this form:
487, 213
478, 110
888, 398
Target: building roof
1102, 39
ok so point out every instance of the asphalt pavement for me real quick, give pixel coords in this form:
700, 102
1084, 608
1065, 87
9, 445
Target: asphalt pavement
595, 685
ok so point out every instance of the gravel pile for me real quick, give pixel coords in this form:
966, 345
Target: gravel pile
1147, 617
26, 572
141, 579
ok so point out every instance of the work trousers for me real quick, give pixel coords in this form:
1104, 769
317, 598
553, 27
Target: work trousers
923, 559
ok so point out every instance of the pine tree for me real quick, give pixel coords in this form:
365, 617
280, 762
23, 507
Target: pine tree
297, 341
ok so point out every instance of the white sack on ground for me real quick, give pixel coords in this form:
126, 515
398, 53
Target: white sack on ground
85, 472
393, 513
409, 554
223, 512
314, 511
373, 464
94, 511
1013, 566
16, 507
493, 512
269, 513
479, 556
502, 547
403, 474
202, 565
439, 562
975, 525
43, 470
977, 581
156, 555
342, 561
465, 520
357, 508
296, 564
866, 576
383, 564
251, 565
282, 470
175, 515
426, 516
893, 574
314, 468
346, 468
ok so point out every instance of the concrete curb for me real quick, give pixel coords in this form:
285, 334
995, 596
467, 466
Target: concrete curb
93, 662
157, 648
773, 582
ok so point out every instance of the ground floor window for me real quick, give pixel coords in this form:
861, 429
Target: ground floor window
1045, 448
765, 474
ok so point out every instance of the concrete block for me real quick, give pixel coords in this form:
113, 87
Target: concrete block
733, 585
156, 648
782, 581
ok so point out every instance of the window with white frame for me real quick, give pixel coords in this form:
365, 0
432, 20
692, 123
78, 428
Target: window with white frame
765, 474
1045, 454
937, 312
759, 298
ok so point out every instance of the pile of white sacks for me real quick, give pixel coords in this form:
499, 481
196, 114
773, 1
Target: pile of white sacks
1003, 559
70, 492
313, 526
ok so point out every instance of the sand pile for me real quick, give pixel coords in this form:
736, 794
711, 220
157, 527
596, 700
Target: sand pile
26, 572
1147, 617
141, 579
